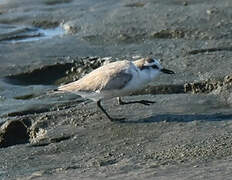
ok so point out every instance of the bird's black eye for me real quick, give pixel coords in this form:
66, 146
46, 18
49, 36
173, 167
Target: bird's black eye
150, 60
155, 66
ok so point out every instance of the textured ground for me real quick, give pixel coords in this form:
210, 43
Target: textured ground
186, 134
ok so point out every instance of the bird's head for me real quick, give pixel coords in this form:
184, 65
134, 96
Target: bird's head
152, 65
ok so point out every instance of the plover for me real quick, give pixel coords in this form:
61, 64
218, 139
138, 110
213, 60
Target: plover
116, 79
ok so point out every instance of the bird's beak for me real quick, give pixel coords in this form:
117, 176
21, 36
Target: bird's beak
167, 71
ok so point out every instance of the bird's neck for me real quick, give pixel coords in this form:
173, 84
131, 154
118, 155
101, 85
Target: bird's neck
148, 75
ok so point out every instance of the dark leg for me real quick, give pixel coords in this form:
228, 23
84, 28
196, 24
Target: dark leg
104, 111
144, 102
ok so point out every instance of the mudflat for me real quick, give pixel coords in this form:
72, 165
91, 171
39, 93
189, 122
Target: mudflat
186, 134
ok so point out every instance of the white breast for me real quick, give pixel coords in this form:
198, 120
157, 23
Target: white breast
138, 81
141, 78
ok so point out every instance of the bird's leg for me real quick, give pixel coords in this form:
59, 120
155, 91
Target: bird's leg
104, 111
144, 102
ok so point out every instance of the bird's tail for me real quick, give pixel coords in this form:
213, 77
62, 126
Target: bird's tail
55, 91
50, 93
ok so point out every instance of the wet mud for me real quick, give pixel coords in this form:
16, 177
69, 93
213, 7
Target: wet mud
58, 73
64, 73
18, 34
186, 134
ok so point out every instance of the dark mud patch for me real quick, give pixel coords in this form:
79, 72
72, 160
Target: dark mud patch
136, 4
25, 97
12, 133
45, 24
54, 2
208, 50
169, 34
45, 75
28, 111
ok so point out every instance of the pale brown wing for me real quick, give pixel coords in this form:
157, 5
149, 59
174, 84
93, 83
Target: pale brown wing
110, 76
118, 81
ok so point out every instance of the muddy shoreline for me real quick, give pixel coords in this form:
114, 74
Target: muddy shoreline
186, 134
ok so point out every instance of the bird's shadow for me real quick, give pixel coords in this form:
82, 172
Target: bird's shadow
182, 118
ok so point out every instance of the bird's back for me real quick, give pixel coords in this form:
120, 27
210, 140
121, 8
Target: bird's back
110, 76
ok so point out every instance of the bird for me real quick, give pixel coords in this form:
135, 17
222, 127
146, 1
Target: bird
115, 80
